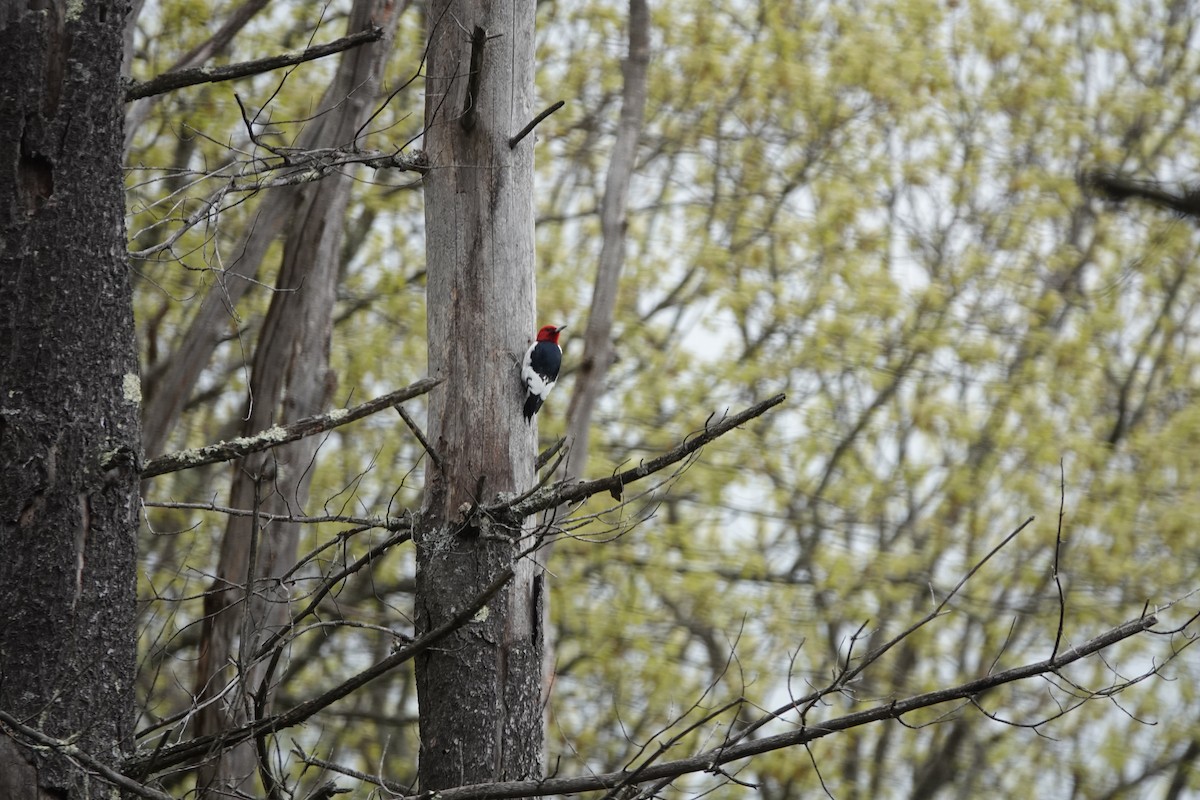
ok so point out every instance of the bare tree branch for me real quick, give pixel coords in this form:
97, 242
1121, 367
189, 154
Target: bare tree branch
237, 19
514, 140
416, 429
179, 79
1119, 188
143, 764
391, 786
848, 673
711, 760
273, 437
544, 457
327, 585
390, 523
294, 167
573, 492
32, 737
1058, 544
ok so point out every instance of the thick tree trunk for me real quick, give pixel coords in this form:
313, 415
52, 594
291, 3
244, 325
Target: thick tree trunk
290, 379
480, 690
68, 397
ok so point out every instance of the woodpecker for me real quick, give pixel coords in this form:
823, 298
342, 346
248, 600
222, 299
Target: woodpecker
539, 369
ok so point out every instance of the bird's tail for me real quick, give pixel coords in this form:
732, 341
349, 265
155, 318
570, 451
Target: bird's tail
532, 404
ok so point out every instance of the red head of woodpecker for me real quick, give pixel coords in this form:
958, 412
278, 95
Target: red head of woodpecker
539, 370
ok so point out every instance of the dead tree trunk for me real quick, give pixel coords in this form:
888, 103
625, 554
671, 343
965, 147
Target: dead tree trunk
480, 690
290, 379
69, 398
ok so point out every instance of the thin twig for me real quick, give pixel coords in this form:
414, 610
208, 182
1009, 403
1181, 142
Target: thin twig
202, 746
365, 523
327, 585
378, 780
416, 429
1062, 598
298, 168
709, 760
547, 454
848, 674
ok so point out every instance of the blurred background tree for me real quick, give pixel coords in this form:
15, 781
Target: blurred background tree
872, 206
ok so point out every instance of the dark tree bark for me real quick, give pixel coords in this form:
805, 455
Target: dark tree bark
68, 397
479, 691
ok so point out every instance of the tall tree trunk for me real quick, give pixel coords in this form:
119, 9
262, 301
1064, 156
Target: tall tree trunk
69, 395
597, 341
479, 691
290, 379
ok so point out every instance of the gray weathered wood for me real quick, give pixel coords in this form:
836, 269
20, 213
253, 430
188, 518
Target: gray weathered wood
480, 691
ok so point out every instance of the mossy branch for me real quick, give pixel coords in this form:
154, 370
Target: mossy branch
281, 434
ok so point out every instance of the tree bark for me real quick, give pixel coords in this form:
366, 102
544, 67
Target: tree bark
479, 692
290, 379
69, 394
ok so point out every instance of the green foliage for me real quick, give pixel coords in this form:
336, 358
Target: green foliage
871, 206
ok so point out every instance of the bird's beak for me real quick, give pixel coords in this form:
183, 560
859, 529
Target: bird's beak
562, 328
